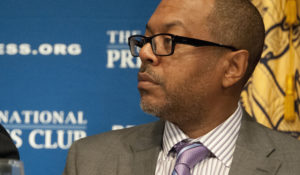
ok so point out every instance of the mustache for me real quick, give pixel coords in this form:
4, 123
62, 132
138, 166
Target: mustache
147, 69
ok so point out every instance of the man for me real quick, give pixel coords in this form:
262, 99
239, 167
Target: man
8, 149
196, 57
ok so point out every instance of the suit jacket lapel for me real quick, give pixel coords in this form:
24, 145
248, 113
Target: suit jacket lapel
145, 161
253, 151
145, 147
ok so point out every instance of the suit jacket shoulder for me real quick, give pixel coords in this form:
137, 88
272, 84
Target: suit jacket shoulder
101, 154
262, 150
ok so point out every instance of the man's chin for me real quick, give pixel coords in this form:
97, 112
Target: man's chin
151, 109
164, 112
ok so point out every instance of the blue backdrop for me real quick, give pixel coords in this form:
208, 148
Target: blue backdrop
66, 72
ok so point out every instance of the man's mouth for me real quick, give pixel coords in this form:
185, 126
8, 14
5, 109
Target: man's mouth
145, 80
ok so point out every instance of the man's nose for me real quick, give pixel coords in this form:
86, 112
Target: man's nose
147, 56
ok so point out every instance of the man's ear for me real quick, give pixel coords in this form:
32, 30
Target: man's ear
236, 64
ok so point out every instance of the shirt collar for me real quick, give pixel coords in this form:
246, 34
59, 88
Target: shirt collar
220, 141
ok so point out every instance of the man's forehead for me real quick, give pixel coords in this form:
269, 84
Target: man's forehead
186, 4
165, 25
182, 14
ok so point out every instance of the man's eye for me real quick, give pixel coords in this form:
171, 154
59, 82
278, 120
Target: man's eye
167, 41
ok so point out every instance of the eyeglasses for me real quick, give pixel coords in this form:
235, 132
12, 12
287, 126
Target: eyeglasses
163, 44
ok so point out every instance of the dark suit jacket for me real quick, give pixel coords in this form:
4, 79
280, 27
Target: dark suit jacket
8, 149
134, 151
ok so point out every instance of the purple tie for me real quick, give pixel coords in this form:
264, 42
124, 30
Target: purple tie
188, 155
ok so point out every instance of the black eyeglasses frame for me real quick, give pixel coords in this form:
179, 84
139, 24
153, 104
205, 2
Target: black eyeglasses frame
179, 40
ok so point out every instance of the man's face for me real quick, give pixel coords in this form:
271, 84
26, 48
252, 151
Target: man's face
179, 87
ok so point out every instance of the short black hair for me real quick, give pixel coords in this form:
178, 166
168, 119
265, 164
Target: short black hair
238, 23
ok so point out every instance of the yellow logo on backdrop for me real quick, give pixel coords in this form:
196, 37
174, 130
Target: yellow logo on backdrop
264, 96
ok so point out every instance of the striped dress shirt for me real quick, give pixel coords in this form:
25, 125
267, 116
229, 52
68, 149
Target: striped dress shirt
220, 141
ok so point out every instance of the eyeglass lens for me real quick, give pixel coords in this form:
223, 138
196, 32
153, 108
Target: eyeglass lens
136, 43
161, 44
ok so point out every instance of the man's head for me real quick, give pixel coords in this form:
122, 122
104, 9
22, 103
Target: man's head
194, 81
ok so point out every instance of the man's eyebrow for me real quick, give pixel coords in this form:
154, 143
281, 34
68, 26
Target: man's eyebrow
174, 24
167, 25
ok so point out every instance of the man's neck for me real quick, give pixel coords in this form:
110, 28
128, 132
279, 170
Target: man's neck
205, 123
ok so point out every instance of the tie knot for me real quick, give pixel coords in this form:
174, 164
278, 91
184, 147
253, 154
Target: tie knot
188, 155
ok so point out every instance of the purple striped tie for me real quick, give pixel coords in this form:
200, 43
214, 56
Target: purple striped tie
188, 155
